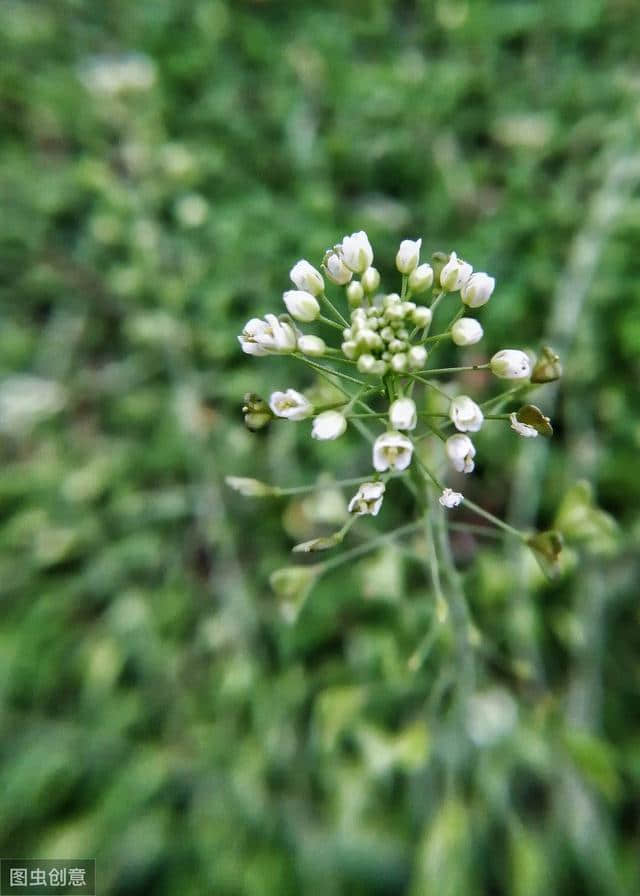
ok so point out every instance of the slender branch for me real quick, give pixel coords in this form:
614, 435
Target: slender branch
332, 483
494, 519
330, 323
456, 369
327, 301
330, 370
368, 546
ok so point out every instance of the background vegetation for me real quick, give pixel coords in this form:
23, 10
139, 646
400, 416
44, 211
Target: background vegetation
162, 167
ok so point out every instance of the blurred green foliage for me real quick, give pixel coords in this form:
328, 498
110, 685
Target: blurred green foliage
163, 164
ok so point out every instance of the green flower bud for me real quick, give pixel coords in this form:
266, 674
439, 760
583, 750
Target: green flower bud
547, 368
250, 488
257, 413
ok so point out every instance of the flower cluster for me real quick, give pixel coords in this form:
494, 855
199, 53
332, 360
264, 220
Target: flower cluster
385, 350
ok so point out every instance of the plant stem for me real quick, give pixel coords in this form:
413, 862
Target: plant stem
456, 369
330, 370
330, 304
421, 379
368, 546
330, 323
331, 483
494, 519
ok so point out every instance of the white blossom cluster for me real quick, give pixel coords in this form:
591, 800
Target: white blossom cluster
384, 347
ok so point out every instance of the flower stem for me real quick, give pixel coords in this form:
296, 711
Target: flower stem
494, 519
329, 483
457, 369
329, 370
330, 323
368, 546
328, 302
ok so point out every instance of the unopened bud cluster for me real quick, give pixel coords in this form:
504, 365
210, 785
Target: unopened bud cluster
379, 337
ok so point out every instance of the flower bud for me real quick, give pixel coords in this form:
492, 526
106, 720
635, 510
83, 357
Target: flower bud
547, 368
349, 349
257, 413
402, 414
511, 364
307, 278
399, 362
368, 499
366, 363
250, 488
455, 273
290, 404
416, 357
355, 294
335, 267
466, 331
461, 451
367, 339
465, 414
328, 425
477, 290
449, 498
392, 451
356, 252
408, 256
301, 305
313, 346
370, 280
421, 278
421, 316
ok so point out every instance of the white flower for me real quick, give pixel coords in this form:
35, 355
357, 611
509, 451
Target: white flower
259, 337
370, 280
408, 256
356, 252
328, 425
421, 316
465, 414
460, 451
312, 345
290, 404
250, 337
511, 364
421, 278
449, 498
301, 305
335, 267
417, 356
477, 290
304, 276
455, 273
392, 451
368, 499
466, 331
523, 429
402, 414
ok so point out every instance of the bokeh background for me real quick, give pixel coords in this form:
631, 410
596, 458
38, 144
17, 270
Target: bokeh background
163, 164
